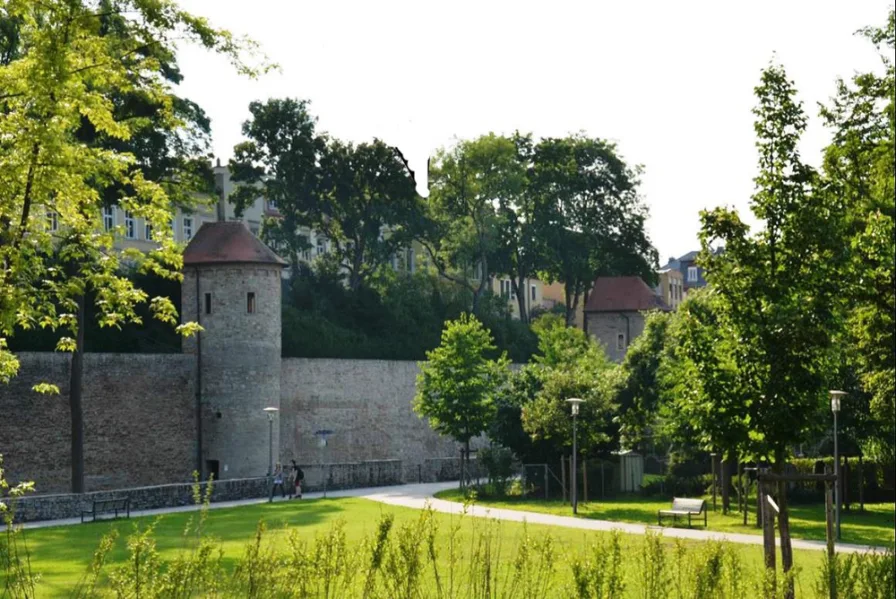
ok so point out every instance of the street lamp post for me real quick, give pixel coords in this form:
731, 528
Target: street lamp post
574, 404
836, 396
271, 411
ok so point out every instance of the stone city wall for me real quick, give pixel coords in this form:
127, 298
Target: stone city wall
139, 414
367, 406
139, 421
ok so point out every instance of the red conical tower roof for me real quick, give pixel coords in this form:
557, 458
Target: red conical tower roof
228, 243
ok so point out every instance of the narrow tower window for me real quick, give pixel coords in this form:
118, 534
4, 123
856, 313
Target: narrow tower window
208, 303
250, 302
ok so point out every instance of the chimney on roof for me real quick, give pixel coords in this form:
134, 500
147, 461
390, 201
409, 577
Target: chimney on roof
218, 164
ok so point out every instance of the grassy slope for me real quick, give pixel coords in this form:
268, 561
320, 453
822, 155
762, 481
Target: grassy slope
873, 527
61, 554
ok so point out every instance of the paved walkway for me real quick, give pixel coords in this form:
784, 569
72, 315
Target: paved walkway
418, 496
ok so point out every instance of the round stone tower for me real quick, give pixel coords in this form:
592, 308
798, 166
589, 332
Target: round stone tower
232, 286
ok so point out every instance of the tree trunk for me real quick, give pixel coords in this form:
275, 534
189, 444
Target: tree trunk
784, 527
522, 298
768, 536
76, 386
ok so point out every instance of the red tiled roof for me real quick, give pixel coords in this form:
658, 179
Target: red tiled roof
228, 243
622, 294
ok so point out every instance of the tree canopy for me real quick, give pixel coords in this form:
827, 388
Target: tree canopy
63, 76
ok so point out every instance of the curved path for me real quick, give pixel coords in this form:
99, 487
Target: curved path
418, 496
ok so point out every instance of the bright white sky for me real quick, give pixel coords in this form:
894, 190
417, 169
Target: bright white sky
670, 82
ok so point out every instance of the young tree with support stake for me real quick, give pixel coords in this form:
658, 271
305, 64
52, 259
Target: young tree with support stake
457, 385
776, 287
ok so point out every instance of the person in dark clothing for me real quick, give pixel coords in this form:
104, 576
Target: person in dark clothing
298, 477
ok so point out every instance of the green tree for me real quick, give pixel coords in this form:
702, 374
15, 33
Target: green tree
519, 223
593, 220
774, 286
465, 184
71, 74
639, 396
279, 162
860, 167
703, 401
458, 384
367, 206
571, 364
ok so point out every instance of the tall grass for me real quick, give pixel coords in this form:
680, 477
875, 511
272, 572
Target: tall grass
416, 560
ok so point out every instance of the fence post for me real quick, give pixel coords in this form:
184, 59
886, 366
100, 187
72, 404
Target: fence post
712, 459
546, 496
603, 494
585, 480
861, 485
563, 476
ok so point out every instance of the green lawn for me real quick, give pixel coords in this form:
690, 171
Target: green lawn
874, 526
62, 554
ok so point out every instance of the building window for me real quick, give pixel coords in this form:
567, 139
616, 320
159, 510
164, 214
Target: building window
53, 220
321, 246
130, 226
250, 302
147, 231
692, 274
620, 341
412, 263
208, 303
505, 288
188, 228
108, 218
532, 292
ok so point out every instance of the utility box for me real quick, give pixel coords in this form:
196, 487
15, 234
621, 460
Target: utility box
631, 471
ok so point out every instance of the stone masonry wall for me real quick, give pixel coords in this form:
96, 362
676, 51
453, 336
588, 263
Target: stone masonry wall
367, 405
138, 414
606, 326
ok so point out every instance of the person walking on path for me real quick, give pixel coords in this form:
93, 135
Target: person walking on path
278, 482
298, 477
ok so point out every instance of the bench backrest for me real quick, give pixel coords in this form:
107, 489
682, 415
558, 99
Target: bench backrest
688, 505
112, 503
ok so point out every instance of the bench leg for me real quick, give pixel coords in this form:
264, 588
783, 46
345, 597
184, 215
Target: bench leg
689, 521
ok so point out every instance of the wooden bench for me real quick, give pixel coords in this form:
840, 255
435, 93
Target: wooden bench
683, 507
108, 506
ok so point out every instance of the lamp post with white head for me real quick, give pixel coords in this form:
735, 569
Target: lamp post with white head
271, 412
836, 396
574, 403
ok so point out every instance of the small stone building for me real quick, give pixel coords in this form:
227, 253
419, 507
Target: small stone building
614, 312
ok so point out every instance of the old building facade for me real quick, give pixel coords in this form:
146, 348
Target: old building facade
614, 313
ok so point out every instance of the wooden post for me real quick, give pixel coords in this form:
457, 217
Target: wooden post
712, 458
546, 495
844, 494
585, 481
563, 476
861, 485
829, 536
759, 511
